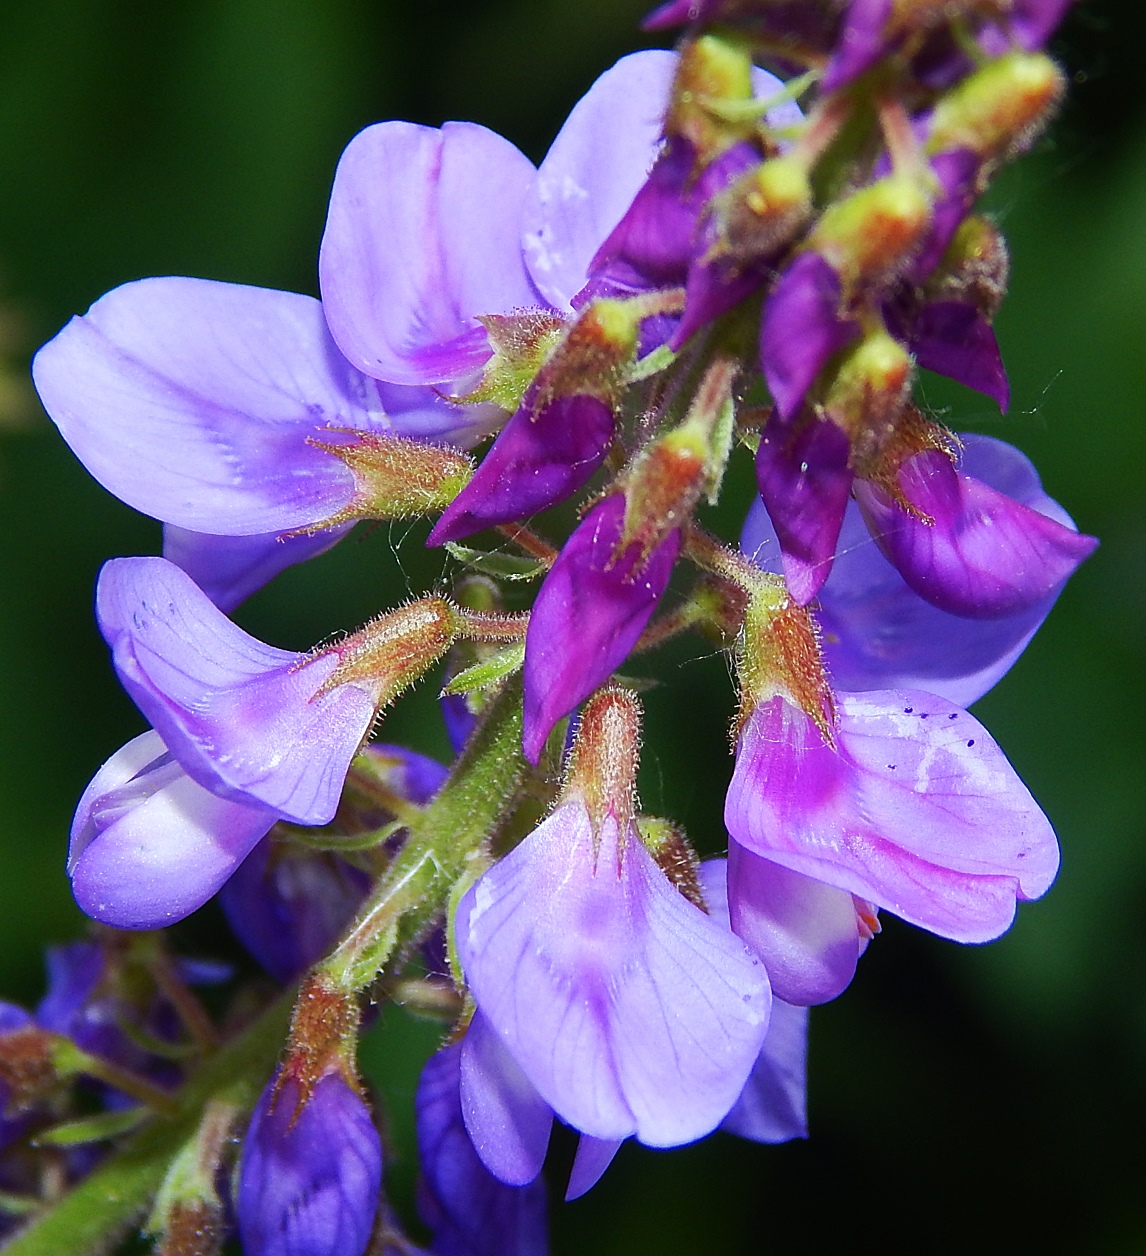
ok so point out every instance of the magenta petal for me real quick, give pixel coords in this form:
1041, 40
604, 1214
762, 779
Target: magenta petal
535, 462
423, 233
630, 1010
803, 930
1032, 22
594, 1155
805, 483
773, 1106
192, 401
587, 617
985, 555
861, 43
880, 634
149, 845
917, 810
593, 170
952, 338
957, 171
801, 329
507, 1120
230, 568
248, 722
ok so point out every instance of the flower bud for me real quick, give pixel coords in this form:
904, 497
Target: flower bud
713, 70
761, 211
872, 233
666, 480
999, 109
869, 390
311, 1171
975, 267
590, 361
394, 477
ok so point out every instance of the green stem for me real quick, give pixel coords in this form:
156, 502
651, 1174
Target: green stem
443, 838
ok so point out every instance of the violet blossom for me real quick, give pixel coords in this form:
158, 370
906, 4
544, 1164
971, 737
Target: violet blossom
469, 1210
967, 546
544, 939
911, 806
310, 1173
590, 611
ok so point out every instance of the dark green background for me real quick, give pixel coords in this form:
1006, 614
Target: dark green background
962, 1099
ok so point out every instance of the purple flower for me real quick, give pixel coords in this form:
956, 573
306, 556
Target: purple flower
592, 607
804, 475
802, 327
629, 1010
994, 546
953, 338
199, 402
913, 808
429, 229
538, 459
809, 934
509, 1123
967, 547
196, 402
773, 1106
250, 723
879, 634
311, 1172
862, 42
149, 845
469, 1210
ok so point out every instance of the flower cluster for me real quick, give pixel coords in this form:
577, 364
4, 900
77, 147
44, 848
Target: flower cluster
711, 258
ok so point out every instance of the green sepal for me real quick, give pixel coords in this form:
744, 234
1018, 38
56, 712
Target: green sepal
651, 364
503, 566
504, 663
92, 1129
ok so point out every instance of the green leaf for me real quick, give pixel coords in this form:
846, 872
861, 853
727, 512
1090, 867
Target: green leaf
651, 364
92, 1129
503, 566
497, 666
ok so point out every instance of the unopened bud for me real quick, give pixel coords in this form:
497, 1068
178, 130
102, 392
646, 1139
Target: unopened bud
999, 109
395, 649
975, 267
591, 360
669, 846
667, 479
762, 211
869, 390
711, 71
872, 233
396, 478
606, 752
29, 1067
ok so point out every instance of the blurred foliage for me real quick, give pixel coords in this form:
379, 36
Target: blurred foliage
961, 1098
